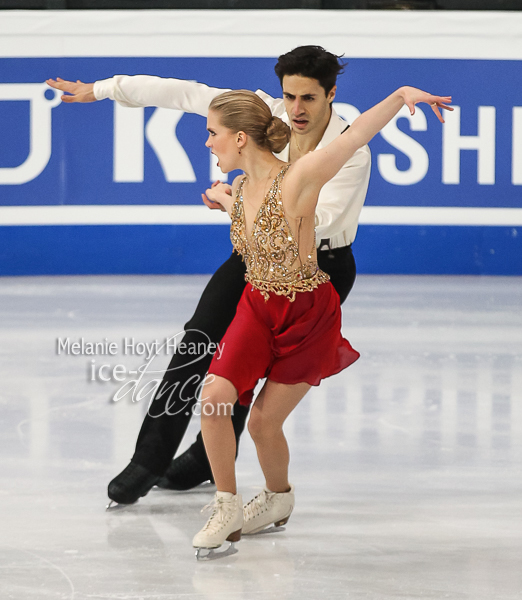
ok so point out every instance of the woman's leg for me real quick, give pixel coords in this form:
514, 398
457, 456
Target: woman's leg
218, 398
271, 408
217, 405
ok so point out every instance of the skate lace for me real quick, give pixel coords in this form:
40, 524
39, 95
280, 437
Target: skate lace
222, 511
258, 504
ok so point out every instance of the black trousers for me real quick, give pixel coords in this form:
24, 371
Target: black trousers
172, 407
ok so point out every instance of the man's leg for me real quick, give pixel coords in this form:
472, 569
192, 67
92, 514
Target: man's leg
169, 413
192, 467
340, 265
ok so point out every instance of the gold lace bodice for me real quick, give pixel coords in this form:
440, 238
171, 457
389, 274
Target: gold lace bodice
273, 251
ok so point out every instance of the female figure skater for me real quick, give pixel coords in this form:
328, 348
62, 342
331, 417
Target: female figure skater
288, 321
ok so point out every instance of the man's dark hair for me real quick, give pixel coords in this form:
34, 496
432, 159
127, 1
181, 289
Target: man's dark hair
310, 61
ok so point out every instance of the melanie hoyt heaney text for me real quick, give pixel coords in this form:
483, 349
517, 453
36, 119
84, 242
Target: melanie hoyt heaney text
129, 346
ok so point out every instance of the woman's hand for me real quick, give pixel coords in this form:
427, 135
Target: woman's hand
80, 92
219, 196
413, 96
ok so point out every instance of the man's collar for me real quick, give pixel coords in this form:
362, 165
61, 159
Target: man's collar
335, 126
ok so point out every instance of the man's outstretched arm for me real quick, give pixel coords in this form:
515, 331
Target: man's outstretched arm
141, 90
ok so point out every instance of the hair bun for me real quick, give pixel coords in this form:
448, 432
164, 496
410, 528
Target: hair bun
277, 135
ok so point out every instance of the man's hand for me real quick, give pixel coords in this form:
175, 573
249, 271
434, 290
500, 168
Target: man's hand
80, 92
219, 196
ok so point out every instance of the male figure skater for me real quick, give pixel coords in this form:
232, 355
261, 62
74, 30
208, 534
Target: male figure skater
308, 77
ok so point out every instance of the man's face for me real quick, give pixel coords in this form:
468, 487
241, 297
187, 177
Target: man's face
306, 103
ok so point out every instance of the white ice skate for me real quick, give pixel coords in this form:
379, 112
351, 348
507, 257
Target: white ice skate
224, 524
268, 508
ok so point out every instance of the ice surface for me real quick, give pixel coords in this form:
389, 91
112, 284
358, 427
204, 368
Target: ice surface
407, 466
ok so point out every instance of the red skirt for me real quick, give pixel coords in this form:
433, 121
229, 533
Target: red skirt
287, 342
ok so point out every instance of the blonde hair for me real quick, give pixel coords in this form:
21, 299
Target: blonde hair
242, 110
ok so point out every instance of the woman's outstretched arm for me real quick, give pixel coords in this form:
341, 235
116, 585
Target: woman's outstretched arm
308, 175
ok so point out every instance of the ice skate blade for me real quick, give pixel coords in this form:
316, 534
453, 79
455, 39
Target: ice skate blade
206, 554
277, 526
113, 506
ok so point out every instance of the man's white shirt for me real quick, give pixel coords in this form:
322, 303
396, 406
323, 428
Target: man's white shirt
340, 200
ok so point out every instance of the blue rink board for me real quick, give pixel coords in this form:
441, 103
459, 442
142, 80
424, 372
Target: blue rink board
80, 170
185, 249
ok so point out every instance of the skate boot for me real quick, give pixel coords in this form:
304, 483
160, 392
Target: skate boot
131, 484
268, 508
185, 472
224, 524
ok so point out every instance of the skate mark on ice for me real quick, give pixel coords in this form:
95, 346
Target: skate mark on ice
45, 560
22, 436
